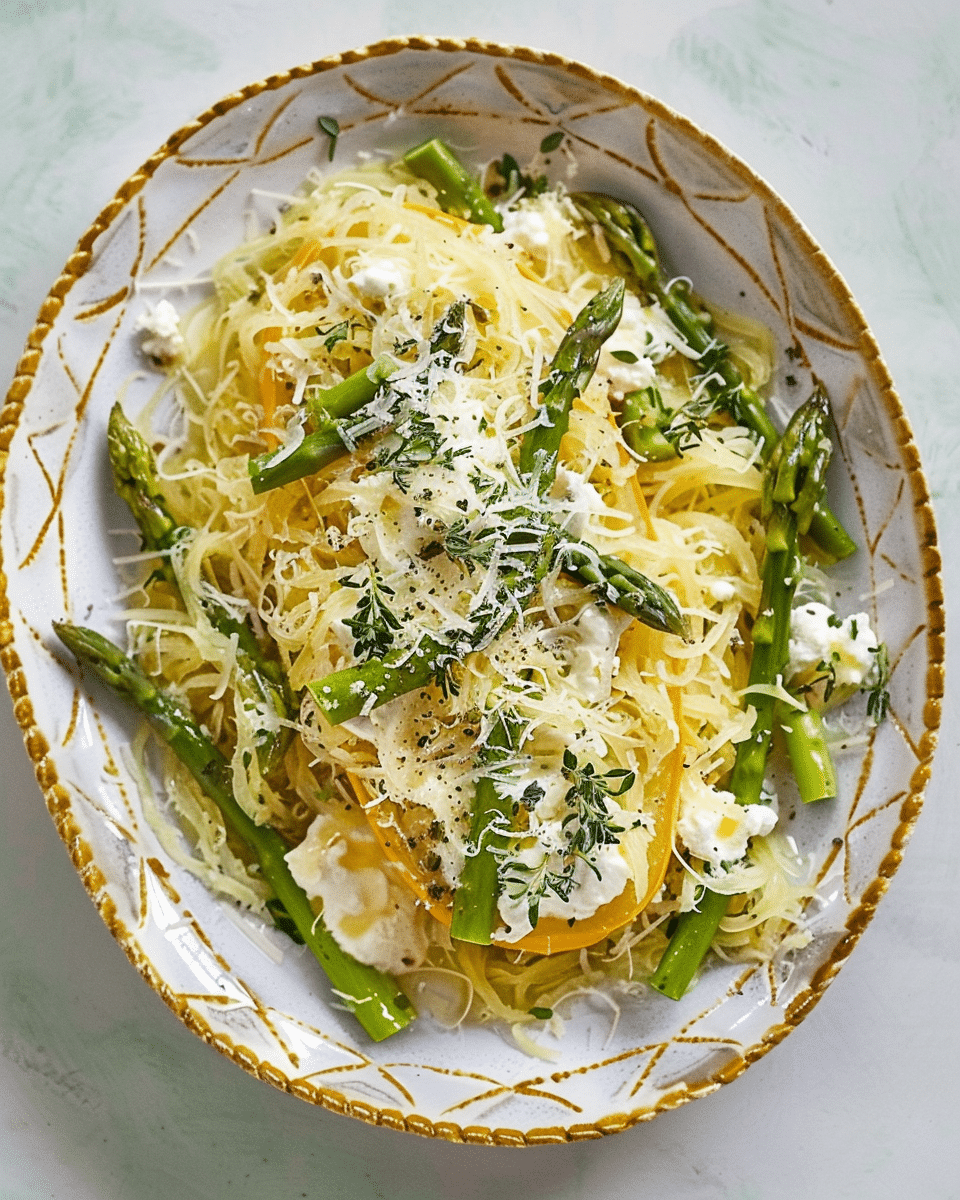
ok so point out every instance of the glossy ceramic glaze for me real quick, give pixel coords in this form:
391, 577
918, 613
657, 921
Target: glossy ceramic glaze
239, 985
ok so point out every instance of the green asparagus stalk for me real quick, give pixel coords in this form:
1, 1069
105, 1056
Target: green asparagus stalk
809, 753
619, 584
457, 190
475, 902
628, 233
344, 398
316, 451
355, 691
643, 420
342, 413
571, 370
259, 680
794, 481
331, 437
372, 996
690, 943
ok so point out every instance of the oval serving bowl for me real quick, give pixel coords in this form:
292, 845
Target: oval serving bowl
234, 982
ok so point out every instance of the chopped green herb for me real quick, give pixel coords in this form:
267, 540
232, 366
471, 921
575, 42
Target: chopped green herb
515, 182
878, 698
374, 626
331, 127
335, 334
551, 142
588, 799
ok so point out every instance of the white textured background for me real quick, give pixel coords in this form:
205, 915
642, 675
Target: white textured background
851, 110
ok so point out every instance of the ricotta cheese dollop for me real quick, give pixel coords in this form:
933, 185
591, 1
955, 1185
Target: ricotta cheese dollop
595, 881
820, 640
368, 909
715, 828
376, 276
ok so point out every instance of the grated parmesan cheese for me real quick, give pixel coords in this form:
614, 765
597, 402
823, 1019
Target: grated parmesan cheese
359, 267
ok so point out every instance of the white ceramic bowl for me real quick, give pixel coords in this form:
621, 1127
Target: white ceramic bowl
714, 219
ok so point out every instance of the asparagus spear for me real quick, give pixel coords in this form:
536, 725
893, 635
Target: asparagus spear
644, 423
793, 484
475, 902
345, 415
571, 370
259, 680
344, 398
618, 583
343, 695
809, 753
372, 996
316, 451
331, 435
457, 190
628, 233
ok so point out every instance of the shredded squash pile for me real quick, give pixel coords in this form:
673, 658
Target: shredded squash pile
626, 733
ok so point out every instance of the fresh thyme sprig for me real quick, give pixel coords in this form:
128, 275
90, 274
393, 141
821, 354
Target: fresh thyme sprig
591, 823
535, 882
471, 547
415, 441
878, 697
374, 625
683, 427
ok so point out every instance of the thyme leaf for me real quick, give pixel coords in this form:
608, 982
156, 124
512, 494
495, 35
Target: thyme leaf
331, 127
590, 821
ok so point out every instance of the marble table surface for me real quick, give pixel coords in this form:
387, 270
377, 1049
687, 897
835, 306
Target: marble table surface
851, 110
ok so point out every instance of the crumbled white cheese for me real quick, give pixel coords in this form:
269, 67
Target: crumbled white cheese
526, 227
593, 656
577, 500
629, 338
366, 906
377, 276
534, 224
722, 589
715, 828
645, 334
820, 640
164, 341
